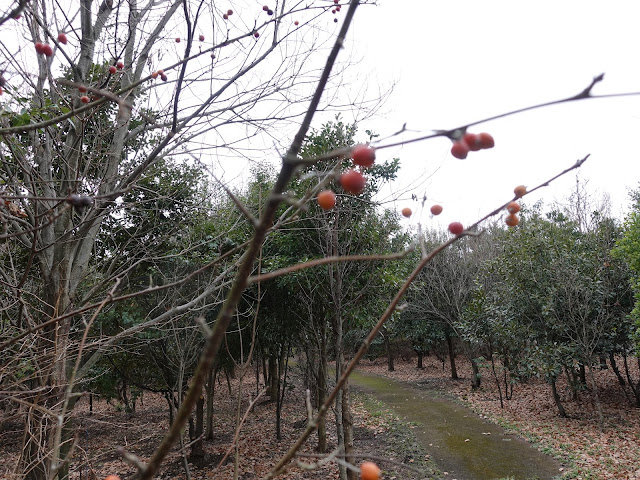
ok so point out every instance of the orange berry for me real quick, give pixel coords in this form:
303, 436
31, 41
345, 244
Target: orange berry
406, 211
512, 220
160, 72
520, 191
353, 182
513, 207
369, 471
363, 155
154, 75
436, 209
327, 199
112, 477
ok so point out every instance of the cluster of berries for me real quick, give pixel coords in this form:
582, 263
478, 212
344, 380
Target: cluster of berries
44, 49
471, 142
336, 9
513, 207
159, 73
352, 181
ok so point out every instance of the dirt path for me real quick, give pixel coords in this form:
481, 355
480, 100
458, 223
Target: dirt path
461, 443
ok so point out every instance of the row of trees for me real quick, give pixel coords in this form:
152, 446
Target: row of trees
549, 297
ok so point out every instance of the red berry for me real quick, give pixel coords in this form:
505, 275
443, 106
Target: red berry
201, 38
459, 150
178, 40
265, 8
338, 8
62, 38
1, 90
229, 12
486, 140
353, 181
436, 209
47, 50
296, 23
363, 155
154, 75
333, 11
256, 34
82, 89
112, 69
456, 228
84, 99
406, 212
513, 207
336, 1
225, 16
471, 140
160, 72
120, 65
327, 199
39, 47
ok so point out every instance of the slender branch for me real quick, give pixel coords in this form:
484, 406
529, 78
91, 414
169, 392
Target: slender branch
324, 261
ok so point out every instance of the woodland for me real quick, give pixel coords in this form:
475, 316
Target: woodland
217, 322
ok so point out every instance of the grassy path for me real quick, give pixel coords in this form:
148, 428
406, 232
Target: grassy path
461, 443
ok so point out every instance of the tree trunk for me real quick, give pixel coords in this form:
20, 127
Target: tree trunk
323, 372
211, 388
614, 367
452, 356
475, 375
556, 398
197, 451
273, 377
634, 388
387, 345
596, 398
278, 400
583, 375
347, 425
420, 355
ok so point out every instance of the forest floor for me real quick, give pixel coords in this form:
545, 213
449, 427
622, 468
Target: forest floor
588, 452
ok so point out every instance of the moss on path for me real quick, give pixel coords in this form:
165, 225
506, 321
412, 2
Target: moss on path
461, 443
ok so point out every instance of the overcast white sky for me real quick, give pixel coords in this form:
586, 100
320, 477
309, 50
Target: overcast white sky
454, 62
